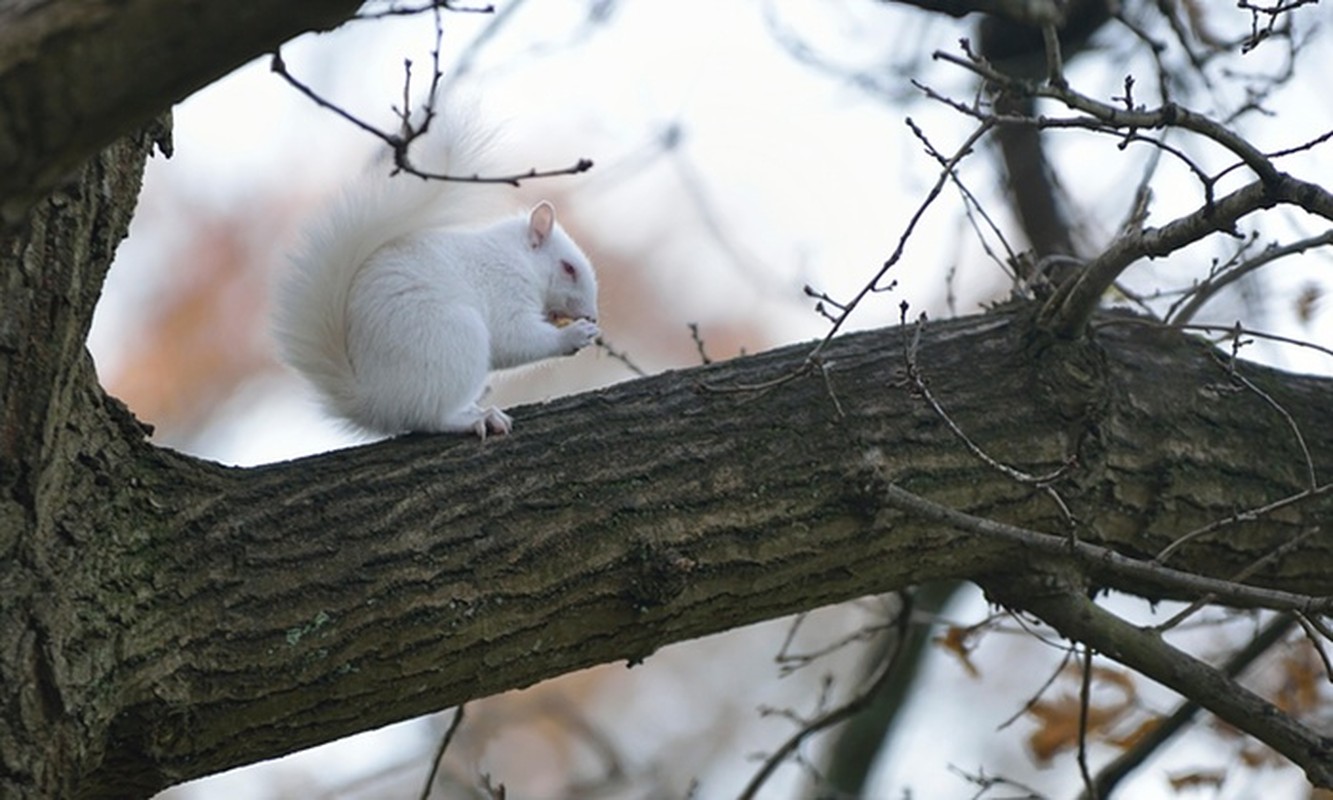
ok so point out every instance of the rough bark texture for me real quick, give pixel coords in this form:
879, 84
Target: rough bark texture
76, 74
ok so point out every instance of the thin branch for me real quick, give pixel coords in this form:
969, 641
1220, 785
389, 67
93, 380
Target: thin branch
1078, 618
985, 783
918, 384
1259, 563
1248, 515
1084, 122
439, 752
1101, 563
1322, 628
400, 144
946, 174
620, 356
835, 716
1273, 12
699, 344
1113, 773
1312, 633
1084, 699
1069, 309
1169, 115
1208, 289
1055, 70
1037, 695
971, 205
1311, 477
278, 65
1227, 329
789, 662
872, 286
396, 10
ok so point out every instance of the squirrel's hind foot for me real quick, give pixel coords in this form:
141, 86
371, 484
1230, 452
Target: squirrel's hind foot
480, 421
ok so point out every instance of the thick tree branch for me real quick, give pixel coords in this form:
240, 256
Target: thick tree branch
432, 570
74, 76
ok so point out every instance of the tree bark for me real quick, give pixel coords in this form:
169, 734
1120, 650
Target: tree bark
77, 74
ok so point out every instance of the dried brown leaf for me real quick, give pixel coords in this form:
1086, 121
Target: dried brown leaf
959, 641
1059, 725
1135, 736
1210, 779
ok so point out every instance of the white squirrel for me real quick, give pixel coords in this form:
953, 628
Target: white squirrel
398, 307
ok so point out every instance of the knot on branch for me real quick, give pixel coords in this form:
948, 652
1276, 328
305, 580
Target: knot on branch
1072, 381
662, 574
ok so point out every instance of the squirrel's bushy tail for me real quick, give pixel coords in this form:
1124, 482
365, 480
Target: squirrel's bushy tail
311, 301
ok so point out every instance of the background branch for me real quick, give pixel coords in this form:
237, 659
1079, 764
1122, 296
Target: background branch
1110, 776
1078, 618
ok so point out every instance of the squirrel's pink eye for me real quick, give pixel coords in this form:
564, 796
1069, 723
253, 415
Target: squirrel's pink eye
569, 269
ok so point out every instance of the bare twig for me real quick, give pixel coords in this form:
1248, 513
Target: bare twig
1112, 774
1037, 695
1055, 70
620, 356
1248, 515
1168, 115
1208, 289
1070, 308
835, 716
1227, 329
1273, 12
985, 783
1312, 633
407, 10
699, 344
843, 311
1084, 699
971, 205
1311, 477
400, 143
1241, 576
789, 662
439, 752
824, 303
918, 384
873, 285
1077, 617
1101, 563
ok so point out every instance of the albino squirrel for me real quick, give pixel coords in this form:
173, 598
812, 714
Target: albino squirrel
397, 307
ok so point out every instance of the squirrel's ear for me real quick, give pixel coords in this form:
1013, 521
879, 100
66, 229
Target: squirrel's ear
540, 223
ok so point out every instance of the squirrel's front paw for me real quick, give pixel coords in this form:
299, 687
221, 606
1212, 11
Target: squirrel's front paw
578, 334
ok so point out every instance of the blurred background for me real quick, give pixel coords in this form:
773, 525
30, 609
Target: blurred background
744, 150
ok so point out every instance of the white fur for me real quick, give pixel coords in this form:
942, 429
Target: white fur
396, 311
